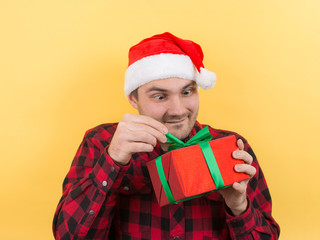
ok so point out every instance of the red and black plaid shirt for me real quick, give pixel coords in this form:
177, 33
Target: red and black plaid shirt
102, 200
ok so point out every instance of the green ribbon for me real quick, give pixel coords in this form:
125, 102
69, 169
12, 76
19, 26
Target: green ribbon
202, 135
201, 138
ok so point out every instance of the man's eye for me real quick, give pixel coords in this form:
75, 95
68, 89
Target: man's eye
187, 92
159, 97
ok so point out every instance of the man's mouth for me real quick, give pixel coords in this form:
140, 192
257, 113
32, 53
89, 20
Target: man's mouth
176, 121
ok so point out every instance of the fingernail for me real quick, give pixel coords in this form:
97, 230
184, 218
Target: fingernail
238, 167
165, 131
164, 139
237, 154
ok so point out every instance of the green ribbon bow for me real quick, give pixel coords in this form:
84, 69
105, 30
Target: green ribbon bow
202, 135
201, 138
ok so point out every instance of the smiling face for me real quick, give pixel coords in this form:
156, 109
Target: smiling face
173, 102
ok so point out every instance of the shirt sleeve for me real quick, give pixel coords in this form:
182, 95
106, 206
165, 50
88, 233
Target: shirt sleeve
256, 222
89, 193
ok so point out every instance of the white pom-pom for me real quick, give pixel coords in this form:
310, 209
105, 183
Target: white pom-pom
206, 79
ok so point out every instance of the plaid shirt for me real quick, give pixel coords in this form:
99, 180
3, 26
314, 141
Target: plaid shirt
102, 200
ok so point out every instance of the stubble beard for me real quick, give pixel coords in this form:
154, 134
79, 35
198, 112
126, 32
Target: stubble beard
178, 130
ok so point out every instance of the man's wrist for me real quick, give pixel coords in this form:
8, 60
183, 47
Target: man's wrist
115, 159
120, 164
240, 209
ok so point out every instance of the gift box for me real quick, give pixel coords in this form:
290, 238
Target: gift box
193, 171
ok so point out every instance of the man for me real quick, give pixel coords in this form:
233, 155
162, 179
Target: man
107, 193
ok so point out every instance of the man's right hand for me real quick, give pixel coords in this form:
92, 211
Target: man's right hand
135, 133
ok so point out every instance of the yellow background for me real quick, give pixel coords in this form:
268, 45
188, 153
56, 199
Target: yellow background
62, 66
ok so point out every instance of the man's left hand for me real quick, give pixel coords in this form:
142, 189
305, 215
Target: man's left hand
236, 195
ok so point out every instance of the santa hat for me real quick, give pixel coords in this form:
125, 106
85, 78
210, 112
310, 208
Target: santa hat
166, 56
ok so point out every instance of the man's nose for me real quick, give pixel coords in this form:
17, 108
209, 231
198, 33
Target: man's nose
176, 106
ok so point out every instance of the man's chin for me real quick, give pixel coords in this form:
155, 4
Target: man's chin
180, 131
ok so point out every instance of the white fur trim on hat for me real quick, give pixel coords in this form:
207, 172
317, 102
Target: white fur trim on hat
206, 79
154, 67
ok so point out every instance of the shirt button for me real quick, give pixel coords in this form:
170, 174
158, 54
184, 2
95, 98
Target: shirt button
112, 169
126, 188
91, 212
104, 183
176, 238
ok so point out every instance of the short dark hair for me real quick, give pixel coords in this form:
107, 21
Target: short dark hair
135, 93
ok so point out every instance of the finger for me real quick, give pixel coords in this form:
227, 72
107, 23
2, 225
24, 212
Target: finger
245, 168
240, 144
144, 131
240, 188
140, 147
243, 155
141, 119
141, 136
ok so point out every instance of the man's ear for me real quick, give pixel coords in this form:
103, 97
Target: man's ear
133, 101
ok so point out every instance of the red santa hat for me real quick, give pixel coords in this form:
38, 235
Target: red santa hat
166, 56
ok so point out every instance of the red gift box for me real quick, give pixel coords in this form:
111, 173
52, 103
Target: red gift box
187, 172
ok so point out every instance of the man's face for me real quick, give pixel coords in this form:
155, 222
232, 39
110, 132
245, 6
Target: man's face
173, 102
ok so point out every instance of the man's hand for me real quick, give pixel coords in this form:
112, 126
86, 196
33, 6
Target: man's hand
236, 196
135, 133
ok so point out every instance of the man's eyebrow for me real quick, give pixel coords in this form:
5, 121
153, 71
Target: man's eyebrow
192, 84
158, 89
